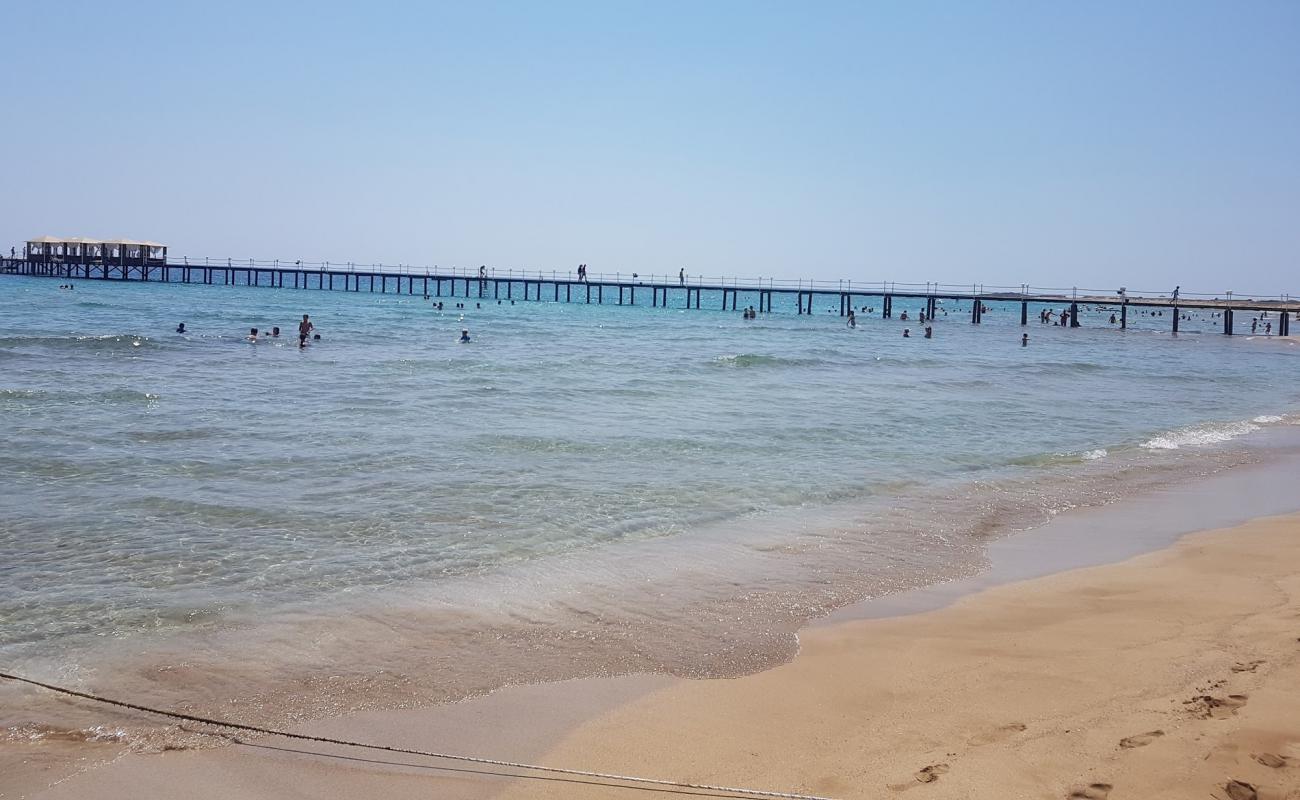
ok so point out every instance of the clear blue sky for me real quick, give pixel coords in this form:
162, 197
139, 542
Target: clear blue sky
1093, 144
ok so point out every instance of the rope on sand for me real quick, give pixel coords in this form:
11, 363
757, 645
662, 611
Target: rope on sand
632, 779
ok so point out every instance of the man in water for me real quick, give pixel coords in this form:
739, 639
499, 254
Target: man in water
929, 332
181, 328
252, 335
907, 333
1024, 340
275, 332
304, 330
464, 335
853, 321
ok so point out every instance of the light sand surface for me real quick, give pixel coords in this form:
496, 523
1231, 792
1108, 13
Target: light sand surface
1165, 676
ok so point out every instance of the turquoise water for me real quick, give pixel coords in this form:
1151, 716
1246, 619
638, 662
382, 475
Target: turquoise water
651, 477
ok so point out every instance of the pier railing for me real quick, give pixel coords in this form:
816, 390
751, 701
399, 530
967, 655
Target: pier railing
742, 283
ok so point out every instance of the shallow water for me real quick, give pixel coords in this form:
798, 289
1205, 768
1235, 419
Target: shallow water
393, 517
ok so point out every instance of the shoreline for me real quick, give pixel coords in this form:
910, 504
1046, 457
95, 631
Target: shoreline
1169, 674
538, 715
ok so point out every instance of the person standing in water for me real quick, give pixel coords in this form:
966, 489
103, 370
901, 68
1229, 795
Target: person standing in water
181, 328
304, 330
1024, 340
853, 321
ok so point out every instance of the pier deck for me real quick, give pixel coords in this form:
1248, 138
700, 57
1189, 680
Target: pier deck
800, 297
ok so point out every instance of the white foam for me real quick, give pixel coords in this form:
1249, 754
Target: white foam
1093, 455
1264, 419
1200, 435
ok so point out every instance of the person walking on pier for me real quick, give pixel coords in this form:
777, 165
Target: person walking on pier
681, 276
304, 330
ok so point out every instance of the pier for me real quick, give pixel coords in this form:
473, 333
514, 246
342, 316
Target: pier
147, 262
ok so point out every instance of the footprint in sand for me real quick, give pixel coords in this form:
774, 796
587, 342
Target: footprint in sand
1246, 666
928, 774
1206, 706
1093, 791
1240, 790
931, 773
1272, 760
998, 734
1140, 740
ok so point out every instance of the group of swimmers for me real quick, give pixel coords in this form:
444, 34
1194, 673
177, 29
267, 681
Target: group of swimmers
305, 329
66, 286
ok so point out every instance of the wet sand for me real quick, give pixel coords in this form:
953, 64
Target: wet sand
1167, 675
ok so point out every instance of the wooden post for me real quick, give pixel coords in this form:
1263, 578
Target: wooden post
1123, 316
1175, 319
1024, 312
1074, 315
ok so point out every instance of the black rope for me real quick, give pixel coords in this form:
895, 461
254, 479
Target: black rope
647, 782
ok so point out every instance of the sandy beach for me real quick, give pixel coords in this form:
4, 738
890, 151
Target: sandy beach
1172, 674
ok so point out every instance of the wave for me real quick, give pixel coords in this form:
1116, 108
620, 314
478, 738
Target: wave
1200, 435
107, 343
1059, 459
745, 360
111, 396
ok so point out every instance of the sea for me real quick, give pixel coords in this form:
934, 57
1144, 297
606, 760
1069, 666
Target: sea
390, 518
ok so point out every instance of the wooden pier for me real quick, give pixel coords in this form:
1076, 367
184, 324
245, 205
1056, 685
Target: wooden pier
802, 298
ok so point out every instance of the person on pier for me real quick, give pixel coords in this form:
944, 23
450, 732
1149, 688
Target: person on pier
681, 276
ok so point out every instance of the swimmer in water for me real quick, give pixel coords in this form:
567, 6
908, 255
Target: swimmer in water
181, 328
929, 332
1024, 340
853, 321
907, 332
464, 335
252, 334
275, 332
304, 328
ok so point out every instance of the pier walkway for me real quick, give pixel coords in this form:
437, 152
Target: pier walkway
662, 291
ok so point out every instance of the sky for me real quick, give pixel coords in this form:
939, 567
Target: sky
1094, 144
